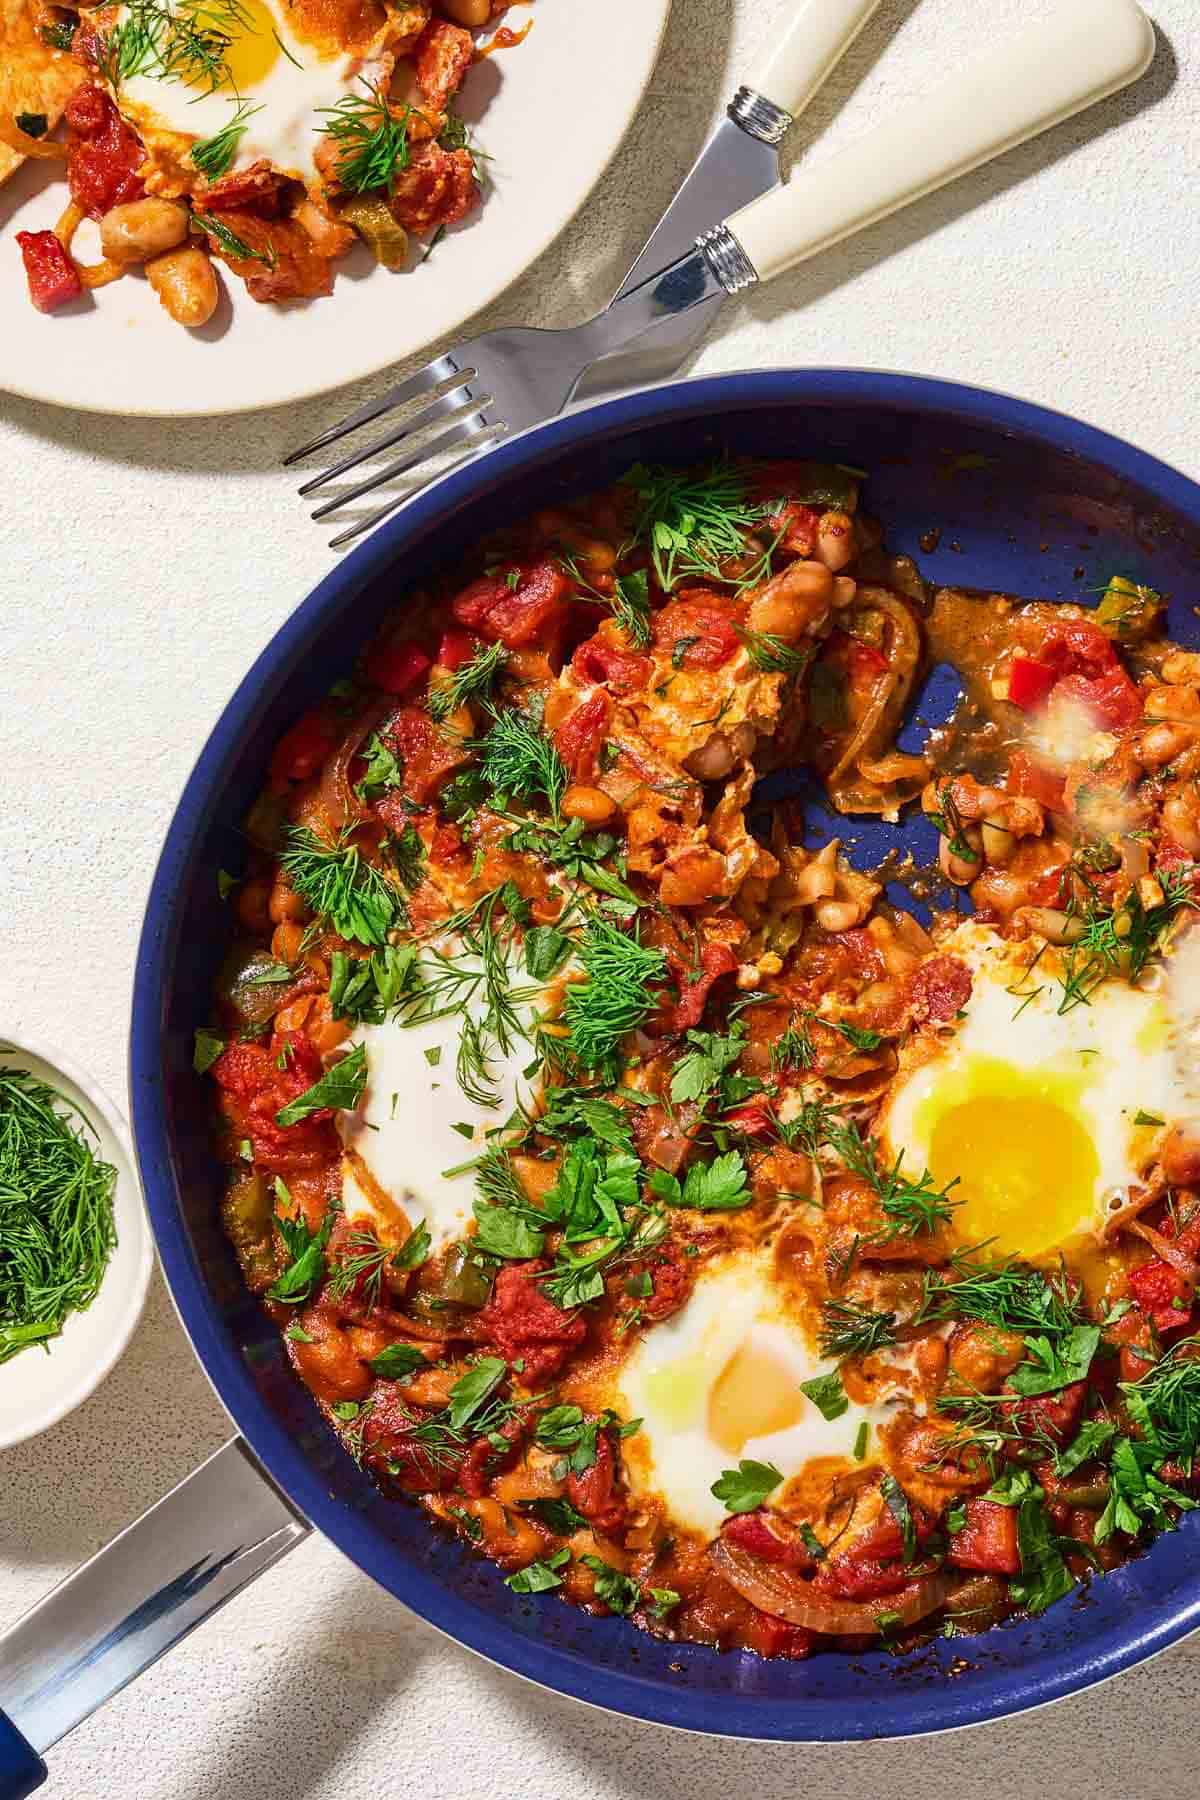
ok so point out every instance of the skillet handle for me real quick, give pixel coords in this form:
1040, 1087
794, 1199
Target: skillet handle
124, 1608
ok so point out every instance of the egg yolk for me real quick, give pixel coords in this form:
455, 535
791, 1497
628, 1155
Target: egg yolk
1025, 1163
253, 48
753, 1396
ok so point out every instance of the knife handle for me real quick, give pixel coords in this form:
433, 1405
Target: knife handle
812, 46
1086, 50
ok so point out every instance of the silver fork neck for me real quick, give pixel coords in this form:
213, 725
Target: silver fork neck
716, 267
759, 117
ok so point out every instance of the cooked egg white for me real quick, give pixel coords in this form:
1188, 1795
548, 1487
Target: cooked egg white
272, 71
415, 1122
721, 1381
1035, 1111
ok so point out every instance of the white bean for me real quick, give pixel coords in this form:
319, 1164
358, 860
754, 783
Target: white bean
185, 284
141, 229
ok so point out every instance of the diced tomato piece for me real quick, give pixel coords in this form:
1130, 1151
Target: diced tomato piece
939, 989
447, 843
394, 1448
52, 276
255, 190
884, 1540
517, 612
438, 187
457, 647
1111, 699
1156, 1287
397, 667
715, 960
706, 633
799, 525
1033, 782
769, 1636
103, 154
519, 1321
428, 754
988, 1540
672, 1279
769, 1540
597, 1492
485, 1459
1052, 888
443, 54
1053, 1416
623, 671
258, 1086
1076, 647
300, 751
1029, 682
579, 737
1172, 857
861, 1578
754, 1120
242, 1069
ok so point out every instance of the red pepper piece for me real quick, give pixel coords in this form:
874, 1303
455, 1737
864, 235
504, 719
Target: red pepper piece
1030, 683
52, 276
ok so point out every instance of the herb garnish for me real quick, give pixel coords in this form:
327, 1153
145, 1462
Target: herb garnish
1121, 942
691, 523
372, 139
214, 156
341, 1086
472, 680
631, 607
615, 999
911, 1207
342, 886
744, 1489
539, 1577
56, 1211
519, 761
852, 1330
226, 239
306, 1251
186, 41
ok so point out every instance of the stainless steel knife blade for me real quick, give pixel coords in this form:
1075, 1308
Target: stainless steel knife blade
733, 168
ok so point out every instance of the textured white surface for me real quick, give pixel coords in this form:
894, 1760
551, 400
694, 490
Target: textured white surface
143, 565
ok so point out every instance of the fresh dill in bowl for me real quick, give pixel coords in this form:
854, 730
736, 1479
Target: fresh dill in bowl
56, 1211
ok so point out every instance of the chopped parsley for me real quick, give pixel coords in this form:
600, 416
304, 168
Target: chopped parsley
744, 1489
341, 1087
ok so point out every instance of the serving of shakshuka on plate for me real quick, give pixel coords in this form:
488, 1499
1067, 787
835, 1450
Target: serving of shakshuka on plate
690, 1230
269, 138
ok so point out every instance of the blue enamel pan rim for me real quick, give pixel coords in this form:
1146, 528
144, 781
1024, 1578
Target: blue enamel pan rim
890, 1710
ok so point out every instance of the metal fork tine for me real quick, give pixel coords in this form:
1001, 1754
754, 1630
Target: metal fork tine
445, 403
484, 442
421, 453
440, 369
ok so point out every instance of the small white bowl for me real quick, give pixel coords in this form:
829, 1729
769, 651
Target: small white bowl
38, 1387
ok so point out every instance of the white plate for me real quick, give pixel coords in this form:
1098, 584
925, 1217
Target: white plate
39, 1387
550, 114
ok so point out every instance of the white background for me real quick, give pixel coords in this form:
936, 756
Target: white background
144, 564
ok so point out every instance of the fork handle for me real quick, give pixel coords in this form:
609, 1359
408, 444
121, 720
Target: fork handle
1087, 50
804, 58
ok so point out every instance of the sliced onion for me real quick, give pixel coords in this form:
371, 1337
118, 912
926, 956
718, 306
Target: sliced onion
1122, 1219
882, 717
772, 1590
336, 794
